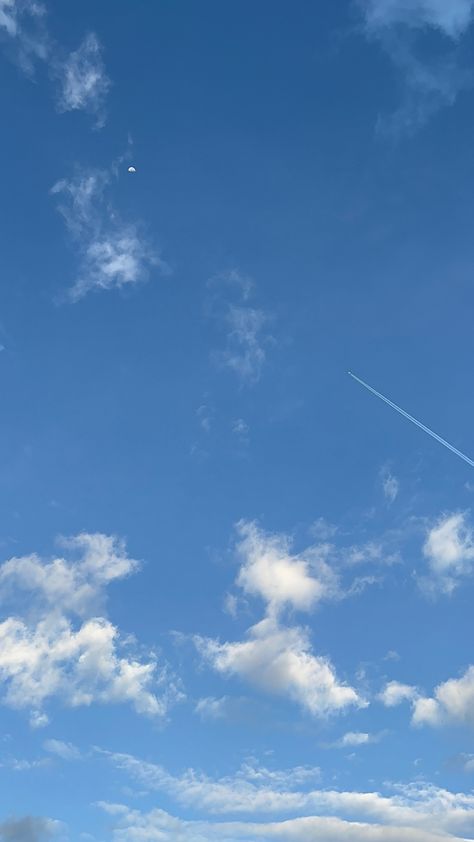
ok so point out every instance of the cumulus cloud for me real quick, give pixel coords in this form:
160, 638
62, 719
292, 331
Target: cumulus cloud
452, 703
355, 739
244, 325
70, 585
28, 829
46, 654
449, 550
279, 660
275, 657
394, 693
430, 83
114, 254
84, 83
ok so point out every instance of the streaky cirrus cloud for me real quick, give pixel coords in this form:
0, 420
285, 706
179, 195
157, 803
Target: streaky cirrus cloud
24, 33
113, 253
430, 81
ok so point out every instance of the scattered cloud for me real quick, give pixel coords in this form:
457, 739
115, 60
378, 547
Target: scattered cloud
46, 654
245, 326
449, 550
279, 660
452, 703
390, 486
211, 708
84, 83
241, 429
394, 693
28, 829
356, 739
114, 254
432, 78
66, 751
412, 813
23, 31
205, 415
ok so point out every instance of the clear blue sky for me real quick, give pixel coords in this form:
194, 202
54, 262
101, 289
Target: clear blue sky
235, 588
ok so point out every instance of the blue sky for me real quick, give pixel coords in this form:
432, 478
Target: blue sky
235, 588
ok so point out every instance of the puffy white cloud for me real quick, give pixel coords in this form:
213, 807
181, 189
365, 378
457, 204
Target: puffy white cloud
279, 660
114, 254
281, 579
452, 702
449, 549
394, 693
44, 655
355, 739
75, 586
84, 82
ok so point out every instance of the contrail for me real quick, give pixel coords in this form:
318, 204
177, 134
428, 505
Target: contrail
413, 420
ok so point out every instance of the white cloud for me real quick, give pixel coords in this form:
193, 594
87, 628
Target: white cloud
114, 254
44, 655
66, 751
415, 813
245, 353
279, 660
451, 17
281, 579
452, 703
429, 83
84, 82
394, 693
22, 24
356, 739
390, 486
241, 429
75, 586
449, 549
211, 708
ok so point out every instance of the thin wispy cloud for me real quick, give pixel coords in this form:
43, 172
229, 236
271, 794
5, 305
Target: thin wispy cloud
430, 82
83, 80
81, 75
245, 327
113, 253
390, 485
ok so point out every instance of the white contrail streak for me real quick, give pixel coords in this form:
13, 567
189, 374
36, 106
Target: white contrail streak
413, 420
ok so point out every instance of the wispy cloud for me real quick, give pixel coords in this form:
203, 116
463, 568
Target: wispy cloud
429, 82
84, 83
29, 829
409, 813
23, 31
81, 75
114, 253
245, 326
390, 485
